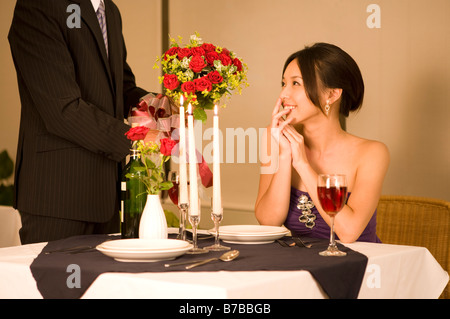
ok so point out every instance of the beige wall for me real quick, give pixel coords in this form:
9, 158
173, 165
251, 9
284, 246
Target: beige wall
9, 93
405, 64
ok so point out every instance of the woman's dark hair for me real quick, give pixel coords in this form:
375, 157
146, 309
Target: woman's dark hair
324, 66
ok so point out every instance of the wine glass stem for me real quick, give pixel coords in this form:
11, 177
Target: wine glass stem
332, 241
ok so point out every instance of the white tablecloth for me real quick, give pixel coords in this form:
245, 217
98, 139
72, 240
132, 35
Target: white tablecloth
393, 271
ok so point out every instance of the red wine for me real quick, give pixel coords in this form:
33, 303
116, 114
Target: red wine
332, 198
173, 193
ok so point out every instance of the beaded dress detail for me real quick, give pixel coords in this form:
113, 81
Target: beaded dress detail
304, 219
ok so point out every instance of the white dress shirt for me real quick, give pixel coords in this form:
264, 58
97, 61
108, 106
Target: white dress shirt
96, 4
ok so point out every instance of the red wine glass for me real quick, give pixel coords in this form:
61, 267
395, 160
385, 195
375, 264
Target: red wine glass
332, 192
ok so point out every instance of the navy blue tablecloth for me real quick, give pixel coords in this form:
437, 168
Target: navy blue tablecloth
339, 277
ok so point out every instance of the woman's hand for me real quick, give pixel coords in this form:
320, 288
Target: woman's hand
272, 202
297, 145
277, 126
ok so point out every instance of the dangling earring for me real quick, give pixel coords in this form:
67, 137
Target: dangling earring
327, 107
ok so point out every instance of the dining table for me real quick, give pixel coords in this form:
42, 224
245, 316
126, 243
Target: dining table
268, 270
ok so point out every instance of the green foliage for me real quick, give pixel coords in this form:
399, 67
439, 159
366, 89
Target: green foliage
6, 165
172, 219
200, 114
154, 178
6, 171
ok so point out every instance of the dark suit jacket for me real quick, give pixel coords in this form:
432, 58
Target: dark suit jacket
71, 137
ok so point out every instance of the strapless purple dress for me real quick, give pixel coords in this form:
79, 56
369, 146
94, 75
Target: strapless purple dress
304, 220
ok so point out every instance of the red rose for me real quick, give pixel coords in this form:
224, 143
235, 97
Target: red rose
211, 57
188, 87
171, 81
226, 51
171, 52
197, 51
215, 77
166, 146
203, 84
197, 64
184, 52
226, 60
137, 133
238, 64
208, 47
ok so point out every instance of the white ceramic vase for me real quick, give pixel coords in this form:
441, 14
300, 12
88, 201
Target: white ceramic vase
153, 223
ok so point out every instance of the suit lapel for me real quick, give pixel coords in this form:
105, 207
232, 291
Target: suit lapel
89, 16
114, 41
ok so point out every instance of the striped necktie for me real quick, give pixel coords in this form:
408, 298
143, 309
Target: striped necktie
102, 21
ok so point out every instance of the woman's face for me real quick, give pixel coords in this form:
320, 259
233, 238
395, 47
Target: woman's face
294, 95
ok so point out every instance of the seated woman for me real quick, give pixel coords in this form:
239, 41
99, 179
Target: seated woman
319, 83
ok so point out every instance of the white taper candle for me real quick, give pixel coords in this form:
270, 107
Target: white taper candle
217, 194
193, 186
183, 197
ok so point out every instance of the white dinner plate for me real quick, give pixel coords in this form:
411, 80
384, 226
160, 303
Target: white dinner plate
141, 250
252, 229
250, 234
136, 244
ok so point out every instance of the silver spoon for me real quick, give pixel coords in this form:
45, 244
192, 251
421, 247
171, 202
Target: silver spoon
228, 256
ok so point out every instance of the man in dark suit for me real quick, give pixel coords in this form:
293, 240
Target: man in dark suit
75, 88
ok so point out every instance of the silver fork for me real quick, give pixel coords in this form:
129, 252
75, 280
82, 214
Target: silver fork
71, 250
283, 243
300, 242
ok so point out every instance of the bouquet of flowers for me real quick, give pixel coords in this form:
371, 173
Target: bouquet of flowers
154, 156
202, 73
